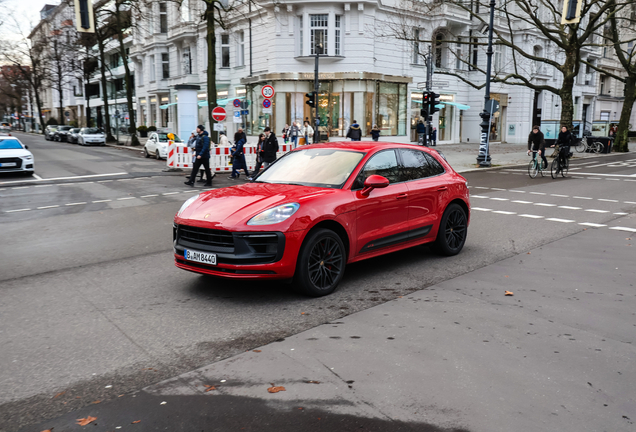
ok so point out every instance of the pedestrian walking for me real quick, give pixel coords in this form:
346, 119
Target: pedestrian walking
223, 141
536, 142
286, 133
421, 133
202, 157
238, 160
308, 132
354, 132
270, 147
375, 132
434, 136
259, 156
294, 132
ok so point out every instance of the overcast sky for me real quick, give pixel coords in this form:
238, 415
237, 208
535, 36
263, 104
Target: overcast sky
26, 12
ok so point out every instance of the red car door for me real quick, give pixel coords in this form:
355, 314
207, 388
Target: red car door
381, 216
426, 185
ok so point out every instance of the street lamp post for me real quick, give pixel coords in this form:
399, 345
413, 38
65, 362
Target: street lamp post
318, 49
484, 155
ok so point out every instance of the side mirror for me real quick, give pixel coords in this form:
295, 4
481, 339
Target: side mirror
372, 182
26, 146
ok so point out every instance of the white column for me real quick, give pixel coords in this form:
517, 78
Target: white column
331, 40
277, 20
290, 19
347, 14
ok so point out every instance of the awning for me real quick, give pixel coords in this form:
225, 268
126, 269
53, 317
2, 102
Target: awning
458, 105
167, 105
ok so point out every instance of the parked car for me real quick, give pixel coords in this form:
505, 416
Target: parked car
49, 131
157, 145
91, 136
5, 127
320, 207
61, 134
73, 135
15, 156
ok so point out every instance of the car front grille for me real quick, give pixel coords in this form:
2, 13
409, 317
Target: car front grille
16, 160
205, 236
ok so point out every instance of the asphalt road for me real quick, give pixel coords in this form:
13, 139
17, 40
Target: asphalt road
90, 298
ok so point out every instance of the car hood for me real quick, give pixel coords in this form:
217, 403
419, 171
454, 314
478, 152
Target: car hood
92, 135
14, 153
234, 205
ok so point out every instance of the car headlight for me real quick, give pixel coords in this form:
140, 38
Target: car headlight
29, 157
186, 204
274, 215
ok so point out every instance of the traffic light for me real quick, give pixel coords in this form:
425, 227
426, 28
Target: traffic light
426, 99
311, 99
571, 12
433, 101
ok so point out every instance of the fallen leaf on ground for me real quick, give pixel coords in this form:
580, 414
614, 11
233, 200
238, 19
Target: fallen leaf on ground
209, 388
47, 430
312, 382
136, 421
276, 389
256, 350
96, 402
302, 313
59, 394
85, 421
509, 293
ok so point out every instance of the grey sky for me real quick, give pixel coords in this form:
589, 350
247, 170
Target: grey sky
26, 12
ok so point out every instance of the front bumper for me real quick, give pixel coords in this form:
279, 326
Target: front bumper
240, 255
21, 165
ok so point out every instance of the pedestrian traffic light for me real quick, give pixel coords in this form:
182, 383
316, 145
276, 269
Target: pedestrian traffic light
433, 101
311, 99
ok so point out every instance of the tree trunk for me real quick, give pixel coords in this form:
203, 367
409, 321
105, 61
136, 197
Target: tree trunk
102, 69
211, 73
622, 140
134, 140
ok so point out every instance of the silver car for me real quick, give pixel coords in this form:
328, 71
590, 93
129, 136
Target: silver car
91, 136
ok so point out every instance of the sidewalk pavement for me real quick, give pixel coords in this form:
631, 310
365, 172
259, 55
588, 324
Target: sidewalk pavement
456, 356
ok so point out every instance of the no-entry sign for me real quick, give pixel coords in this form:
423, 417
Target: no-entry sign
218, 114
267, 91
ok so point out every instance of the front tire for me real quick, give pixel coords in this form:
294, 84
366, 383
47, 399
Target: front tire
554, 168
533, 168
321, 264
157, 155
146, 154
580, 146
452, 232
564, 168
598, 147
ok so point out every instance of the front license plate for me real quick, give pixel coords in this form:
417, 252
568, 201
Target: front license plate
7, 164
201, 257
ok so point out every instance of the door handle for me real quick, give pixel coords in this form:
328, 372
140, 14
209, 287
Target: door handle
402, 196
442, 188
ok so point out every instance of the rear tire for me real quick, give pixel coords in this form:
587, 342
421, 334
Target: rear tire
554, 168
452, 231
157, 155
321, 264
598, 147
533, 168
565, 168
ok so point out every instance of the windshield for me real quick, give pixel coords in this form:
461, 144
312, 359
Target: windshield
10, 144
65, 128
76, 130
164, 137
313, 167
91, 131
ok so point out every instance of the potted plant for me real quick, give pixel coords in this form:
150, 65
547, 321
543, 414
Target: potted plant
152, 129
143, 131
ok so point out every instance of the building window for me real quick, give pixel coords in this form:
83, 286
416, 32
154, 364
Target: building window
163, 18
338, 20
459, 64
225, 51
300, 32
187, 61
475, 54
319, 27
498, 59
165, 65
630, 48
153, 70
240, 49
603, 84
185, 11
416, 46
439, 52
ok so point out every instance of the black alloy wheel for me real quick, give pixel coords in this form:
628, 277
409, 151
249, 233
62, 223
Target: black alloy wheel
452, 232
321, 263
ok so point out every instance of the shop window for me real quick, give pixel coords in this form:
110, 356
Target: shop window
165, 65
163, 18
319, 26
391, 108
225, 51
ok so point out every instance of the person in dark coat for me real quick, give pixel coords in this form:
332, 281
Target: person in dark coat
270, 147
536, 142
259, 156
202, 157
375, 133
565, 140
421, 132
434, 137
354, 132
238, 157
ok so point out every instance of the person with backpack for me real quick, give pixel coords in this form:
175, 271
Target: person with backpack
202, 157
375, 132
355, 133
270, 147
238, 160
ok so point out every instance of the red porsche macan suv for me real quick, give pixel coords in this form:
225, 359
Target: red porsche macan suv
320, 207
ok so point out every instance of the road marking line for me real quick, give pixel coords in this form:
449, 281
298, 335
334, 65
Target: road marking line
531, 216
621, 214
480, 187
66, 184
18, 210
497, 189
560, 196
478, 196
103, 181
629, 202
481, 209
500, 199
43, 185
170, 193
517, 191
77, 203
594, 178
545, 204
66, 178
21, 187
504, 212
607, 200
521, 202
37, 176
596, 211
47, 207
125, 198
537, 193
594, 225
148, 196
101, 201
605, 175
613, 179
560, 220
577, 197
570, 208
623, 229
629, 180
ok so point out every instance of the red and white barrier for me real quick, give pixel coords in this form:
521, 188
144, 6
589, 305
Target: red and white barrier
179, 156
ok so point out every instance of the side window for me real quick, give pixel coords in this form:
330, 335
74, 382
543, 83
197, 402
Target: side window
436, 167
383, 163
417, 164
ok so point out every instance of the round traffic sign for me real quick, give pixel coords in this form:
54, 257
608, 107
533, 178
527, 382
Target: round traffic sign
218, 114
267, 103
237, 103
267, 91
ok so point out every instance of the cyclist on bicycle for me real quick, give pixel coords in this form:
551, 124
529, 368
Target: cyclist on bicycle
564, 140
536, 143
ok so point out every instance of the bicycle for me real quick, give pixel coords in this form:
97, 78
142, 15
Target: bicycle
535, 166
557, 168
583, 146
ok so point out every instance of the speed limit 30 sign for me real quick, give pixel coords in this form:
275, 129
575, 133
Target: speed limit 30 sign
267, 91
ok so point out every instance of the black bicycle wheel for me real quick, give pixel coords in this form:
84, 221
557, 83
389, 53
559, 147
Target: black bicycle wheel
564, 168
580, 145
533, 168
554, 168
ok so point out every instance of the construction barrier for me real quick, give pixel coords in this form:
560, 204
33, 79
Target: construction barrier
179, 156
